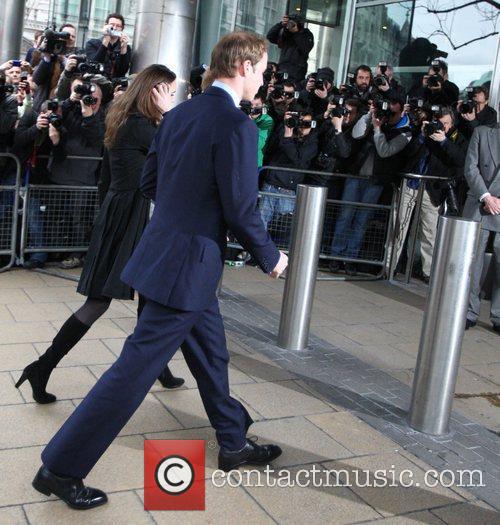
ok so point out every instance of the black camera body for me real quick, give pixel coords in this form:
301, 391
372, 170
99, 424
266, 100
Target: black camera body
469, 104
55, 120
431, 127
53, 105
296, 121
280, 76
382, 108
92, 68
122, 83
319, 83
86, 90
54, 42
435, 81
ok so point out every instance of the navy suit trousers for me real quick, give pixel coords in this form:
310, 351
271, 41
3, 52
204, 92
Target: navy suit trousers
160, 330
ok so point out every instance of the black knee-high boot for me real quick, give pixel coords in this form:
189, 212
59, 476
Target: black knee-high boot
38, 372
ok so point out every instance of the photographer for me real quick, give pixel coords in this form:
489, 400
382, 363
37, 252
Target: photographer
437, 148
336, 145
361, 85
8, 118
80, 132
295, 42
52, 52
384, 133
113, 49
384, 82
298, 145
435, 87
475, 111
282, 98
319, 89
30, 141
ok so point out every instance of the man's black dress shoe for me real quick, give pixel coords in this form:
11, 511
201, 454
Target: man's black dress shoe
71, 490
250, 454
469, 324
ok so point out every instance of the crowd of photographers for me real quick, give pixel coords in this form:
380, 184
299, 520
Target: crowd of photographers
53, 103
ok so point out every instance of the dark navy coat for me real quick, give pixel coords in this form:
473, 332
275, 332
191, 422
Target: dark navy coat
201, 171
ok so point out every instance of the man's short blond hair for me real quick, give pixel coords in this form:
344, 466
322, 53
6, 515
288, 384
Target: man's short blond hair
232, 50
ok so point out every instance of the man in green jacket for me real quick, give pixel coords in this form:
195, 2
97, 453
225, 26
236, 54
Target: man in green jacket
265, 124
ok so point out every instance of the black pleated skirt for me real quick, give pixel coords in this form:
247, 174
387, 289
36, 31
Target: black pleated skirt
117, 230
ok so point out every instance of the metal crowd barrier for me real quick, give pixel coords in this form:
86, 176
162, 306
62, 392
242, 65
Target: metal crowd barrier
280, 208
9, 213
402, 217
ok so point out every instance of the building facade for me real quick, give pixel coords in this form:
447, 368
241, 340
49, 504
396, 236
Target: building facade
406, 34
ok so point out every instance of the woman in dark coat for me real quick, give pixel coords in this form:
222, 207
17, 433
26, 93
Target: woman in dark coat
131, 123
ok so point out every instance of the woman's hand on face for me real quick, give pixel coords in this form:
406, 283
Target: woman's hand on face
162, 96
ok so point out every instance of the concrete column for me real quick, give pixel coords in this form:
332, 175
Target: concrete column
11, 29
164, 34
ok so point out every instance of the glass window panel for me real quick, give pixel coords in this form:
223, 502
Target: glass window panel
324, 11
409, 36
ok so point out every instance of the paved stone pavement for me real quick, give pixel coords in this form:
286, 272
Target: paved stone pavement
340, 405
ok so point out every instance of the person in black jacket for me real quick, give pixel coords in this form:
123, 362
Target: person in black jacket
317, 97
336, 145
481, 115
381, 155
32, 140
295, 42
435, 88
50, 66
297, 147
81, 134
442, 154
112, 50
131, 125
8, 117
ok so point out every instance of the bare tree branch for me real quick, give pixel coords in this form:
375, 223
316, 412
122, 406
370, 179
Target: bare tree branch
482, 37
456, 8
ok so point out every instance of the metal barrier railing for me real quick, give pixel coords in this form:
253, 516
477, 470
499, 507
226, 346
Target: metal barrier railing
277, 210
402, 220
9, 214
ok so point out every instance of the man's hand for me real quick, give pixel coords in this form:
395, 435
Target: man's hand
384, 87
492, 205
337, 123
439, 136
321, 93
42, 122
124, 40
70, 63
54, 135
106, 39
6, 65
280, 267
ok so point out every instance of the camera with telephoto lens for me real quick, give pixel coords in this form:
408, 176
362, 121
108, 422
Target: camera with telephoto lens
280, 76
55, 120
53, 105
92, 68
468, 105
435, 81
54, 42
86, 89
434, 124
5, 89
381, 80
121, 83
246, 107
278, 92
112, 32
296, 120
339, 110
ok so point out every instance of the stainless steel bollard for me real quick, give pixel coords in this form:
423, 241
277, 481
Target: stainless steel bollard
443, 325
300, 281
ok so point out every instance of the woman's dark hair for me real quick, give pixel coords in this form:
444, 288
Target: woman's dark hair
138, 98
118, 16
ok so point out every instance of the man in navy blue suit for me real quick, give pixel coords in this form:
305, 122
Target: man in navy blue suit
201, 172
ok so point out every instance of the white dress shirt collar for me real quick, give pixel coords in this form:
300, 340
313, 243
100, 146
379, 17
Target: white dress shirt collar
229, 90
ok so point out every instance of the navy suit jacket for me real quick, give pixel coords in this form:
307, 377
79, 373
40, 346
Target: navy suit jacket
201, 171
